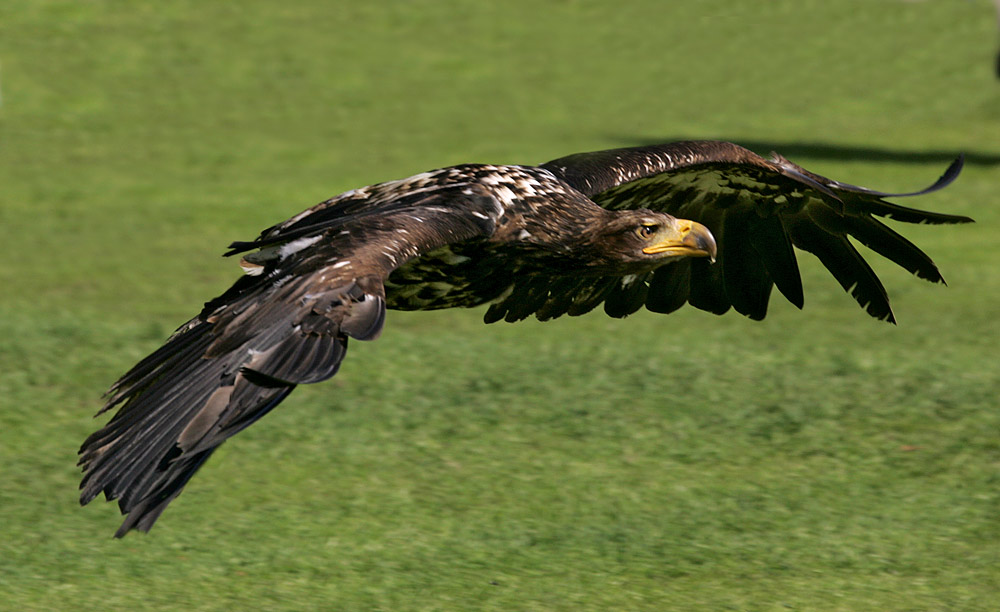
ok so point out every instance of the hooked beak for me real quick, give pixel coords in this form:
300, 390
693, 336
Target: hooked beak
685, 239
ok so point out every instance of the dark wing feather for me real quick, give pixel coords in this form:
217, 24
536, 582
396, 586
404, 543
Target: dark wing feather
845, 264
550, 297
669, 287
287, 325
757, 209
626, 296
746, 281
708, 290
529, 294
557, 305
772, 244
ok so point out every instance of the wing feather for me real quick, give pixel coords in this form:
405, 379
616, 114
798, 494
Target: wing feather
591, 295
758, 209
288, 324
888, 243
772, 244
626, 296
846, 265
708, 290
746, 280
669, 287
560, 296
529, 295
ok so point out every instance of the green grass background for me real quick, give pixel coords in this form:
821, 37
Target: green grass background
816, 461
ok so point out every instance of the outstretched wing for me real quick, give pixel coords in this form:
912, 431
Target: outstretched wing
285, 323
758, 209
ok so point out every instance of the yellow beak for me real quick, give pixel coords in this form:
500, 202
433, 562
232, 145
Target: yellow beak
685, 239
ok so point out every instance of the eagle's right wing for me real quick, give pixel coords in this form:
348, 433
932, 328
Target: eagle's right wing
285, 323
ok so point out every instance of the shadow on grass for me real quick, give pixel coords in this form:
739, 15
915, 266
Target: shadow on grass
817, 150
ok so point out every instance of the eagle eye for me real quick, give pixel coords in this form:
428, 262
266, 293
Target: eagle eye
646, 230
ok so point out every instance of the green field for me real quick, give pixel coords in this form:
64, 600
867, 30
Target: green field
818, 460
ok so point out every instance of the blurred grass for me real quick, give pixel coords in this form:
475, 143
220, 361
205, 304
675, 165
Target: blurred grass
815, 461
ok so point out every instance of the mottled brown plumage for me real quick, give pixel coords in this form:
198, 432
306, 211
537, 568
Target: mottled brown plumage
626, 228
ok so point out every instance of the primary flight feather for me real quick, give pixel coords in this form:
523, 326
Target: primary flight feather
703, 222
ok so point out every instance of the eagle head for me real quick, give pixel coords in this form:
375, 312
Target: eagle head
636, 240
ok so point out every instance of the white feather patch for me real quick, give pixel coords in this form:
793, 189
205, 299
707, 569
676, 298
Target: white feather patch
297, 245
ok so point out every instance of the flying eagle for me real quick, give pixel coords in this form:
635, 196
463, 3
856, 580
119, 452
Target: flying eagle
703, 222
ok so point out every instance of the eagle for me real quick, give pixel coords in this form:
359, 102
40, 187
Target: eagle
706, 223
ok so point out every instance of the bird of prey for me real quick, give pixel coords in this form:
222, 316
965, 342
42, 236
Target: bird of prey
701, 222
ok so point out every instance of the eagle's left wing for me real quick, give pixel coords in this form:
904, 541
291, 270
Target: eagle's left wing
758, 209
